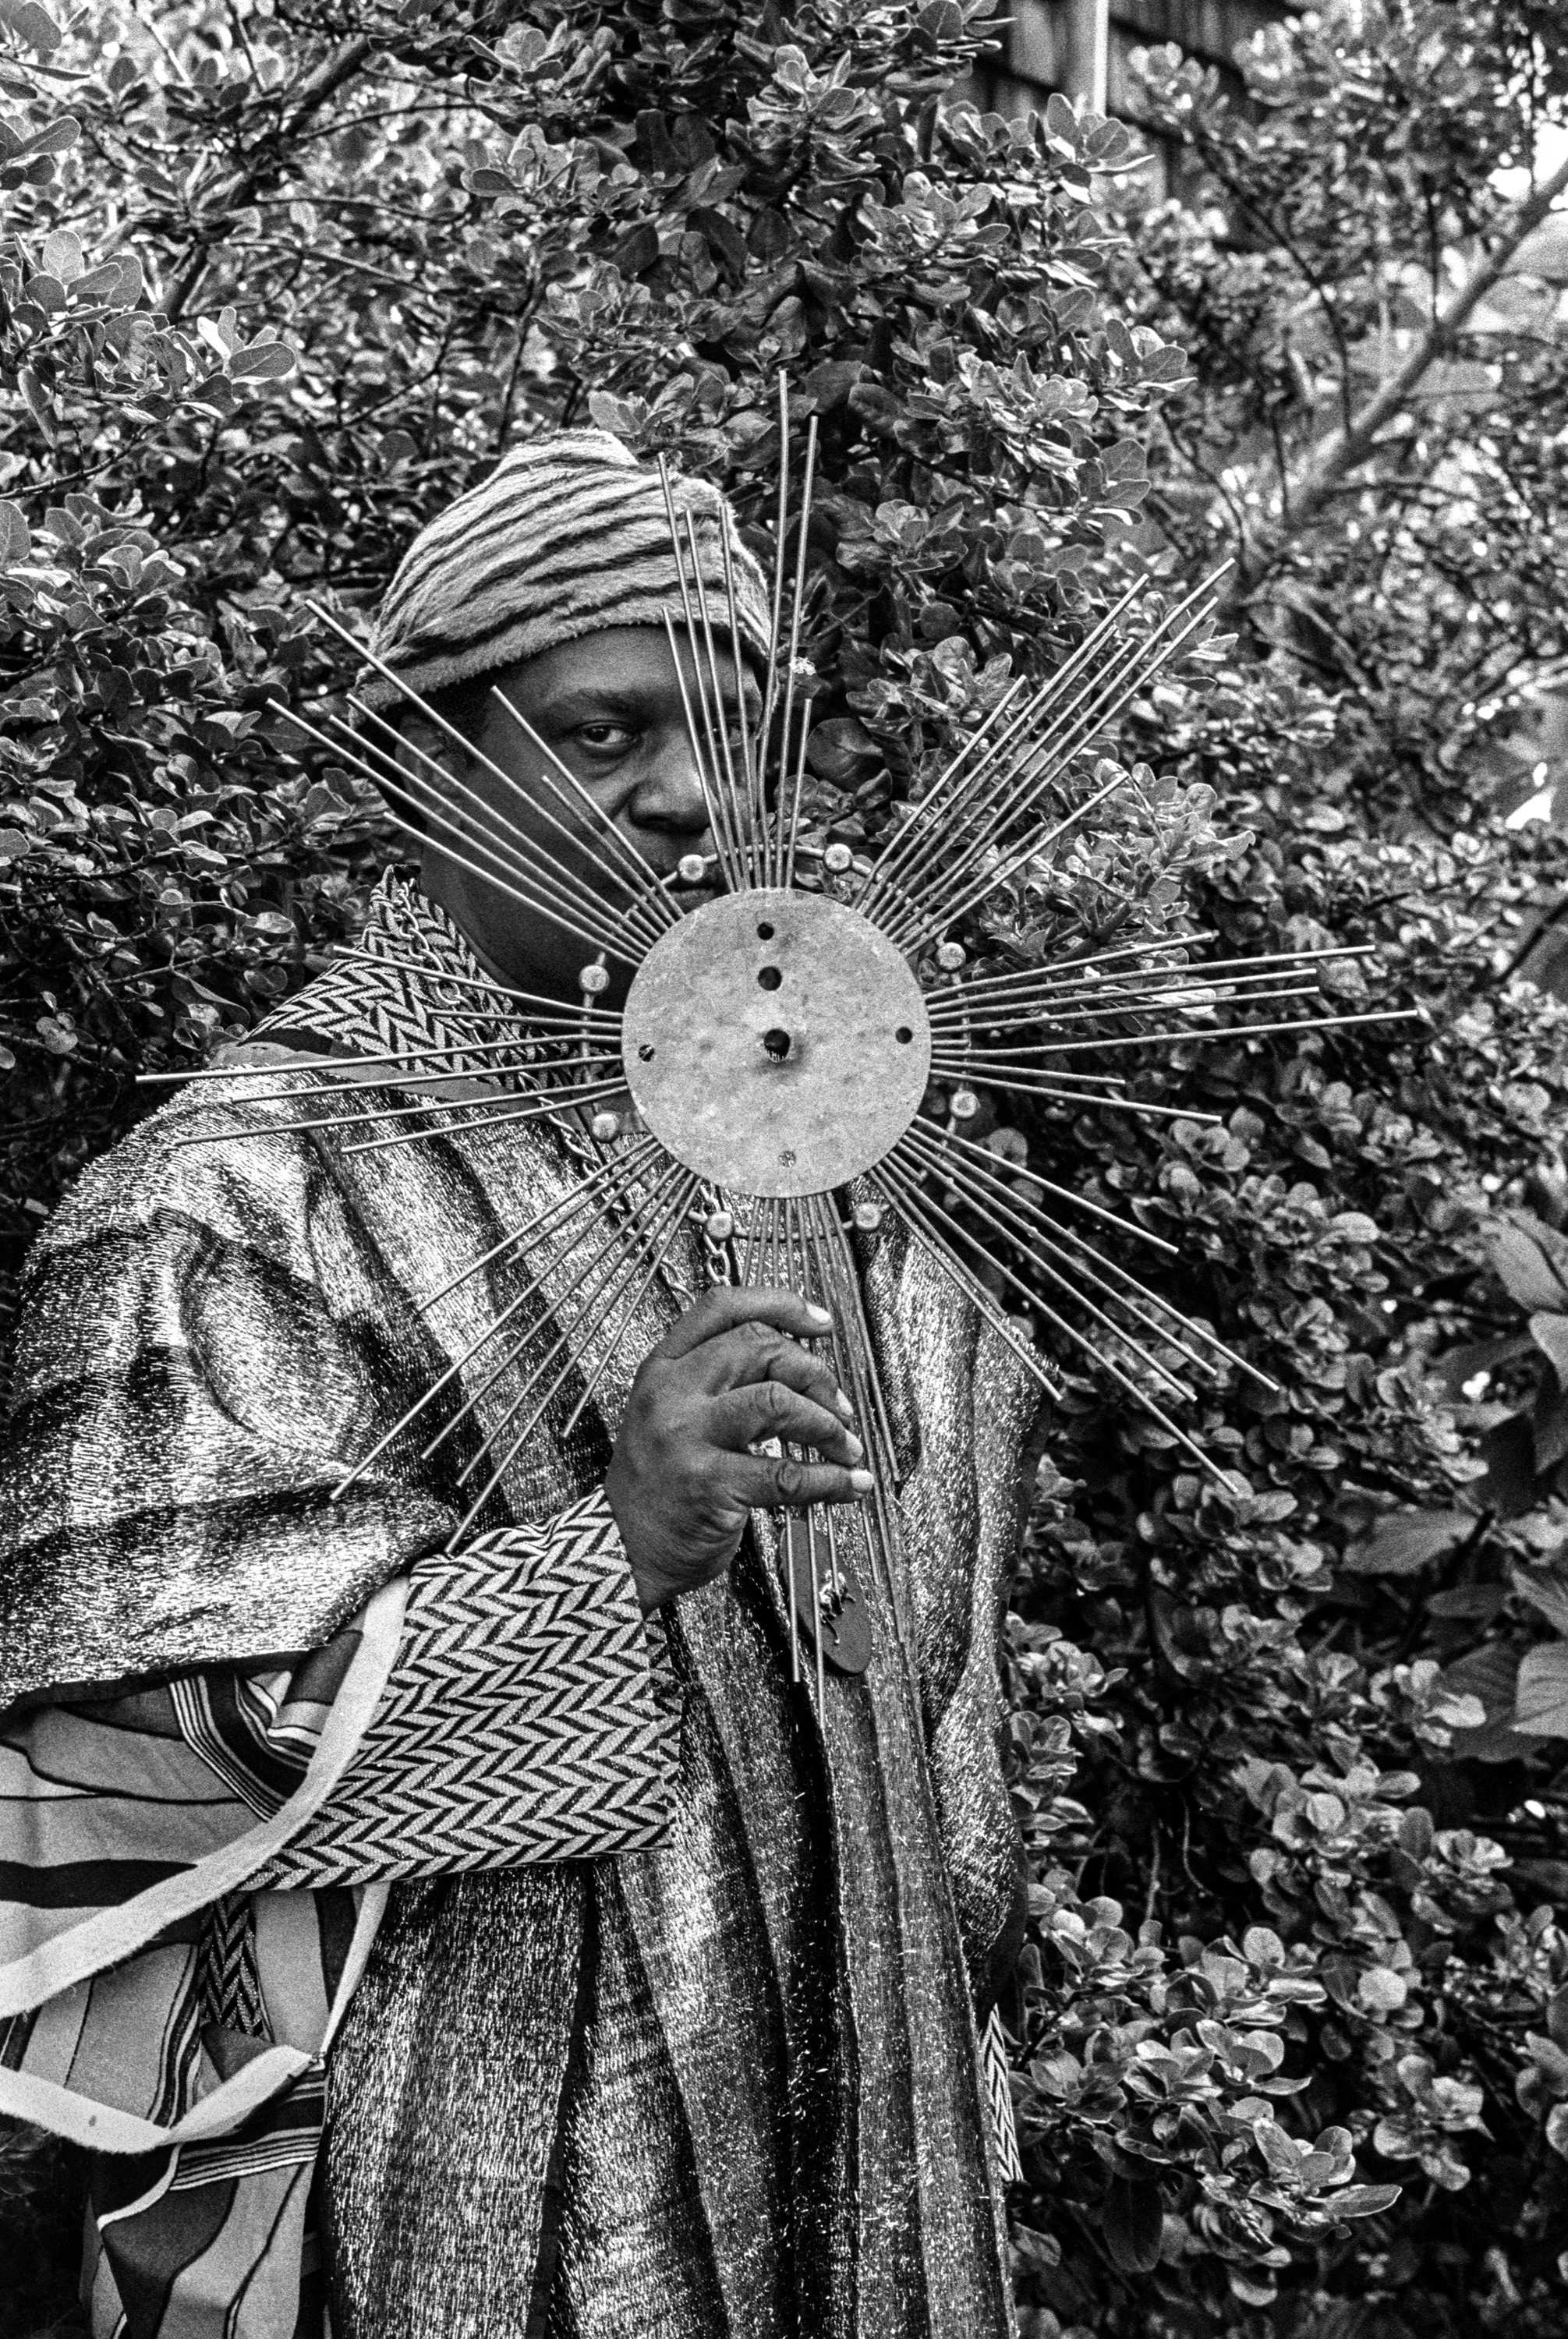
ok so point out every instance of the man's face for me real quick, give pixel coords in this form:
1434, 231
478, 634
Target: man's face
610, 705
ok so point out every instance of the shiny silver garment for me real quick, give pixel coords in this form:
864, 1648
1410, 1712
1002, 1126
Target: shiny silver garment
729, 2086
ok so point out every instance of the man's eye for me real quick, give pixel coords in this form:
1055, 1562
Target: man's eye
605, 735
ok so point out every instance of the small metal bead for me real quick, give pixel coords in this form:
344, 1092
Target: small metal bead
837, 858
691, 868
593, 980
950, 956
720, 1225
964, 1104
868, 1217
606, 1125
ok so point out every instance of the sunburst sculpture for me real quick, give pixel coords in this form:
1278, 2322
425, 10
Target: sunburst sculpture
779, 1042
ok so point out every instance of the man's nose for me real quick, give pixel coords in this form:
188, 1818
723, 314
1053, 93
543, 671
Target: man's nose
671, 795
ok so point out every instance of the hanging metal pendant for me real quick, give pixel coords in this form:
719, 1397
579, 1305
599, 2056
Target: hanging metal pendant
830, 1613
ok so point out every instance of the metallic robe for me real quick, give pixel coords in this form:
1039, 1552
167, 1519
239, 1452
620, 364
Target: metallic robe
729, 2085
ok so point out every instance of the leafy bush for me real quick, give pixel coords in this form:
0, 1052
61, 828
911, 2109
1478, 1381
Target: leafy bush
286, 279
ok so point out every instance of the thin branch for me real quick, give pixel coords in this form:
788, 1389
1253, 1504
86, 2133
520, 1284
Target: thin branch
313, 94
1344, 450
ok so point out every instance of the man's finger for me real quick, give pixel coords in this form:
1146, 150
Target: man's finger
756, 1352
745, 1416
765, 1483
720, 1311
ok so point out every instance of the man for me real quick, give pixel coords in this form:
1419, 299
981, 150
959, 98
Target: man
492, 1940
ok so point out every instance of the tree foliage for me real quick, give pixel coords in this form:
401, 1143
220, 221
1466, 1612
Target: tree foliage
1292, 2024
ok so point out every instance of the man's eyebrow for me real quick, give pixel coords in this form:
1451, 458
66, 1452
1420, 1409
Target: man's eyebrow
596, 700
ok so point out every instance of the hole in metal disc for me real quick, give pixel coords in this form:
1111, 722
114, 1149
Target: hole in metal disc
764, 933
903, 1035
769, 977
646, 1052
777, 1044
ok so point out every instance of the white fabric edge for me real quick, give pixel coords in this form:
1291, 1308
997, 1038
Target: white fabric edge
114, 1934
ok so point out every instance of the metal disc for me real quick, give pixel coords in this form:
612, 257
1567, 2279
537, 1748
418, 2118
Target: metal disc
776, 1043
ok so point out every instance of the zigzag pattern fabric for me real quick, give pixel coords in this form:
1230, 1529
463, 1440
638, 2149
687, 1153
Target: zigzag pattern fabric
507, 1732
569, 535
998, 2101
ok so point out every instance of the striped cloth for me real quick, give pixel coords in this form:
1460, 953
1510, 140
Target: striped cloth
166, 1999
568, 536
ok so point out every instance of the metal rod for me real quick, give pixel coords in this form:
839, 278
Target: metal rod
770, 698
911, 926
721, 837
721, 851
977, 797
1232, 1030
424, 707
682, 1203
635, 911
751, 763
486, 983
1039, 704
960, 1277
981, 987
997, 1164
1133, 1005
592, 1189
517, 1443
1109, 1267
411, 1414
894, 857
567, 1100
607, 1268
725, 784
1113, 992
803, 528
352, 1062
1024, 1083
632, 857
604, 1251
1115, 690
334, 1087
551, 913
917, 813
867, 1348
1067, 1329
1029, 1233
530, 858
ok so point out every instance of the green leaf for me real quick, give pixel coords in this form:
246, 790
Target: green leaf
1550, 1333
32, 23
1490, 1673
1527, 1257
1548, 1594
1541, 1694
1408, 1541
1133, 2224
264, 361
16, 536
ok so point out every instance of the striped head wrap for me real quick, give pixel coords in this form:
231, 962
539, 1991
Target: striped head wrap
569, 535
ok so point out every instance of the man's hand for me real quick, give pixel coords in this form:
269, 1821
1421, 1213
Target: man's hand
729, 1376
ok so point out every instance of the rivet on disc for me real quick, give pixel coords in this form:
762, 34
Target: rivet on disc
606, 1125
593, 980
868, 1217
965, 1104
950, 956
720, 1225
837, 858
691, 868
